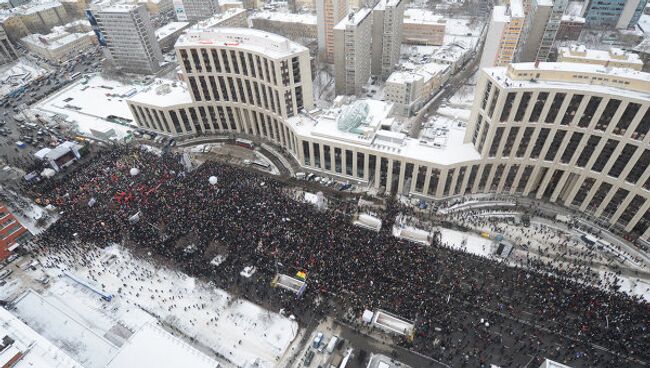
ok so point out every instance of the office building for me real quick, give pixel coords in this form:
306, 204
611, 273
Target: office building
235, 17
352, 52
194, 10
7, 51
504, 30
296, 27
550, 31
41, 18
571, 134
422, 27
169, 33
130, 38
619, 14
531, 39
328, 14
58, 46
612, 58
387, 25
570, 28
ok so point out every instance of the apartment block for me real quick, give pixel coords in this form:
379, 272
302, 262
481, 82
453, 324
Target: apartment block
421, 27
328, 14
502, 39
387, 26
352, 52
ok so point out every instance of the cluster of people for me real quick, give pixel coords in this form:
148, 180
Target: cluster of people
467, 310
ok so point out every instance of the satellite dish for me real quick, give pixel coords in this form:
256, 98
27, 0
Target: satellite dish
134, 171
213, 180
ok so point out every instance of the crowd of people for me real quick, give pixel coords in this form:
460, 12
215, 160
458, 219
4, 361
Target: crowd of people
467, 310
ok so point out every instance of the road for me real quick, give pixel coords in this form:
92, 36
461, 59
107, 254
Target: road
11, 132
452, 86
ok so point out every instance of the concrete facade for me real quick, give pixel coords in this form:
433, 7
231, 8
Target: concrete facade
387, 26
130, 38
7, 51
533, 32
421, 29
352, 52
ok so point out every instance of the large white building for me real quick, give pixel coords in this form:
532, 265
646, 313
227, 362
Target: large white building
387, 26
409, 90
352, 52
130, 38
568, 133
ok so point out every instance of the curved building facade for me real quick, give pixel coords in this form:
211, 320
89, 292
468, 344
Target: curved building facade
572, 134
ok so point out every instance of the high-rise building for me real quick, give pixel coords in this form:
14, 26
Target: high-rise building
328, 14
622, 14
502, 39
193, 10
387, 26
550, 31
531, 38
7, 51
352, 52
130, 38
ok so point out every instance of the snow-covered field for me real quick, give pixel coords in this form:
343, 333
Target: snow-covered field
240, 331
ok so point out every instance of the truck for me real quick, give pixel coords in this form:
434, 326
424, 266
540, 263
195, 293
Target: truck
318, 340
331, 345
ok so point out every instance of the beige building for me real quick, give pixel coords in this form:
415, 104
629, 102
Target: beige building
352, 52
14, 27
328, 14
410, 90
504, 30
194, 10
7, 51
58, 46
75, 8
43, 17
613, 58
421, 27
387, 20
572, 134
235, 17
295, 27
239, 80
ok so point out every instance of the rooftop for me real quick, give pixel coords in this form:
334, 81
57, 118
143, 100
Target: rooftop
163, 93
119, 8
613, 54
373, 132
305, 18
215, 20
584, 77
151, 346
37, 350
420, 16
52, 40
169, 29
254, 40
354, 18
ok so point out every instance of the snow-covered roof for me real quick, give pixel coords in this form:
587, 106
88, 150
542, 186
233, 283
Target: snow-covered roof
215, 20
119, 8
324, 127
52, 41
304, 18
422, 16
573, 19
152, 346
353, 19
169, 29
574, 76
500, 14
163, 93
37, 351
578, 51
269, 44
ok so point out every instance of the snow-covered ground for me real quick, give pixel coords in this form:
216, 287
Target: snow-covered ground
240, 331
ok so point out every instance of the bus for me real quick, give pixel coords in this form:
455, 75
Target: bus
75, 75
244, 143
262, 165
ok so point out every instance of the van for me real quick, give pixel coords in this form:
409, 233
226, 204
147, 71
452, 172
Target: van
332, 344
318, 340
